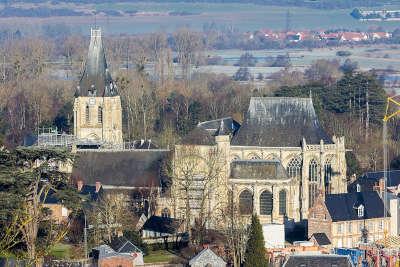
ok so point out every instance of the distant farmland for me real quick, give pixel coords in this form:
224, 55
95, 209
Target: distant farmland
245, 17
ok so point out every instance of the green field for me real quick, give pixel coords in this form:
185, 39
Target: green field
245, 17
61, 251
159, 256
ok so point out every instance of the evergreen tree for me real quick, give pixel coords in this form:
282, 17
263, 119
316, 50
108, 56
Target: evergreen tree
27, 176
255, 251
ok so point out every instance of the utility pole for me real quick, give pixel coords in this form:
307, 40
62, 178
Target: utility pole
85, 238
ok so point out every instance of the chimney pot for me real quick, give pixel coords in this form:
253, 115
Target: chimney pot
98, 185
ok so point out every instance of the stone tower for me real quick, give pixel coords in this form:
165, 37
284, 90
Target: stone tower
97, 106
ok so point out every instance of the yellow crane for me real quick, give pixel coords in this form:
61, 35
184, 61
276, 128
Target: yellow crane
392, 110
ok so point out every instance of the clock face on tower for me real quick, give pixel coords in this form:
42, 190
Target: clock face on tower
92, 101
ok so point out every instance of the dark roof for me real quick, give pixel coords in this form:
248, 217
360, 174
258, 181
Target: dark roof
280, 122
205, 132
162, 225
51, 198
369, 179
321, 239
123, 245
89, 191
96, 76
328, 260
343, 207
128, 168
258, 169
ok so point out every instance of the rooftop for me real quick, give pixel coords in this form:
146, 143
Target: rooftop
318, 260
128, 168
343, 207
280, 122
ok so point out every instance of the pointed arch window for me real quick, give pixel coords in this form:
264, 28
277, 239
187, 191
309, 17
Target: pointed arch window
87, 114
294, 168
246, 202
328, 176
282, 202
100, 115
266, 203
313, 178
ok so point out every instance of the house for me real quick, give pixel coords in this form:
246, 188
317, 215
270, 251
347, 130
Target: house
123, 245
370, 181
165, 230
329, 36
208, 258
348, 219
379, 35
318, 260
105, 256
59, 213
353, 37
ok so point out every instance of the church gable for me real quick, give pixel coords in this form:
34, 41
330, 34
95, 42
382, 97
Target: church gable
280, 122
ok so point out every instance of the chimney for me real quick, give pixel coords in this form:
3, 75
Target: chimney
98, 185
80, 185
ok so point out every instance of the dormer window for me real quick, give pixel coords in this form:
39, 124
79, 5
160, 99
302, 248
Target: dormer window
358, 188
360, 211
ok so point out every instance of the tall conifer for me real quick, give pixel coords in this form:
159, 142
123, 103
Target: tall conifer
255, 251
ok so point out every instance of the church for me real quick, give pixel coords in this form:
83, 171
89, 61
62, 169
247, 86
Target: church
275, 162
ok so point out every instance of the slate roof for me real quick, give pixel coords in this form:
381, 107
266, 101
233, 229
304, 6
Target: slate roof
369, 179
121, 168
318, 260
207, 256
123, 245
96, 75
343, 207
205, 132
258, 169
280, 122
321, 239
162, 225
105, 251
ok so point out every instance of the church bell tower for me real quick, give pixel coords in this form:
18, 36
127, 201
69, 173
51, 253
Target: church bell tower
97, 106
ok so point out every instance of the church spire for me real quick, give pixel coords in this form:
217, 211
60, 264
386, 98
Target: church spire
96, 79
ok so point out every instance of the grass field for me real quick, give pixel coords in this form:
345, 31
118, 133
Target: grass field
61, 251
241, 16
159, 256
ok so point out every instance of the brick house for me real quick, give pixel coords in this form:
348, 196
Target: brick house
104, 256
344, 217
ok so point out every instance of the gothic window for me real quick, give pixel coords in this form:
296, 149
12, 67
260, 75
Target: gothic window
100, 115
87, 114
313, 178
266, 203
165, 213
294, 168
254, 156
282, 202
328, 176
246, 202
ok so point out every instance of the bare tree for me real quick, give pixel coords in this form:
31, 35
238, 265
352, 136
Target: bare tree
196, 180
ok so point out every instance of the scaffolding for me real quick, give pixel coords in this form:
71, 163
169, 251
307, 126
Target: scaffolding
50, 137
